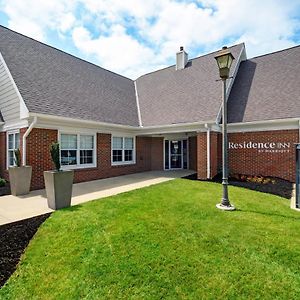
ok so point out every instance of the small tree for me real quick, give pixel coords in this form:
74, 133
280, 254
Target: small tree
17, 157
54, 151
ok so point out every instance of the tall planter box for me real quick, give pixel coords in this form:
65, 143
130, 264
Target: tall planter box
59, 186
20, 179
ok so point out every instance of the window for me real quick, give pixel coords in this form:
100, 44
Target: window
77, 150
122, 150
86, 149
13, 143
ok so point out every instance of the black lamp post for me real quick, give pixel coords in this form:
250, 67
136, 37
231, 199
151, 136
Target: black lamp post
224, 60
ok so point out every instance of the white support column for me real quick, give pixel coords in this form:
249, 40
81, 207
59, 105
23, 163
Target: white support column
208, 150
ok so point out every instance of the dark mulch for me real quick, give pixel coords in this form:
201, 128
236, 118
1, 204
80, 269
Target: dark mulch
5, 190
282, 188
14, 238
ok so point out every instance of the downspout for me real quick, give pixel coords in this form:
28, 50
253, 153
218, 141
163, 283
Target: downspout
208, 150
24, 139
299, 131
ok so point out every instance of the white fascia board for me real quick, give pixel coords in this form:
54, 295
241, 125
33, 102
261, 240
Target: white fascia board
23, 108
267, 125
175, 128
15, 125
138, 105
58, 121
241, 57
55, 122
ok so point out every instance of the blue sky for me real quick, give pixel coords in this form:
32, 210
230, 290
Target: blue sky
134, 37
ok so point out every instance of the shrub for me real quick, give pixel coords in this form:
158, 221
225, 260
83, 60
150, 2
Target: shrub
54, 151
2, 182
251, 178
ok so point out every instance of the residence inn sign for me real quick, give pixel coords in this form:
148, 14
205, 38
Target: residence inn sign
271, 147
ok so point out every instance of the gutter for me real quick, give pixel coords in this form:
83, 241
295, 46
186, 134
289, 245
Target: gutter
207, 151
80, 121
116, 126
24, 139
299, 131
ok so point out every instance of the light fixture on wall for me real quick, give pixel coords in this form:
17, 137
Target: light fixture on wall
224, 60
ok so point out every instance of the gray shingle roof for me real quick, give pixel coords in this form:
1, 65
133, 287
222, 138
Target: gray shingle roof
56, 83
267, 88
190, 95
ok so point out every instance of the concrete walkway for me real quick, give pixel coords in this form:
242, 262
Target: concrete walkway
14, 208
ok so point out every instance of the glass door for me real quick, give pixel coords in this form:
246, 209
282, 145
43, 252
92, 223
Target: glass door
176, 154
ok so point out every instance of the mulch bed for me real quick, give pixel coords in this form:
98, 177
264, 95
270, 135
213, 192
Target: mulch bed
14, 238
282, 188
5, 190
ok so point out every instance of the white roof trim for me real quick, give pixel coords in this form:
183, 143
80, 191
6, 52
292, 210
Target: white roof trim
231, 81
23, 107
138, 105
273, 121
267, 125
80, 121
277, 124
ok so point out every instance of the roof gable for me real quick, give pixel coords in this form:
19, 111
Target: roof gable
56, 83
171, 96
267, 88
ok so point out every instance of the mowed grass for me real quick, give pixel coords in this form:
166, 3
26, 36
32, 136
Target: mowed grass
166, 241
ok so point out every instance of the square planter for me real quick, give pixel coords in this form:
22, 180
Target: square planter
59, 186
20, 179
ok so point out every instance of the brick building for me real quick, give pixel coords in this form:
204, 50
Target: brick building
109, 125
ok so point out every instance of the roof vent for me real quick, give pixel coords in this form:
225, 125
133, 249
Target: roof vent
181, 59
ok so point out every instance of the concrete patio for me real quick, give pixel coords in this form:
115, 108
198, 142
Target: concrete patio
14, 208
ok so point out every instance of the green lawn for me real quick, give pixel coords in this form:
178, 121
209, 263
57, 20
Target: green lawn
165, 241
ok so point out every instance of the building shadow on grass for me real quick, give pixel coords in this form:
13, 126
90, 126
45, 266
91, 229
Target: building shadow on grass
269, 214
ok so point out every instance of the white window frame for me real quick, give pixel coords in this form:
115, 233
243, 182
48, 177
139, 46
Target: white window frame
78, 165
7, 144
123, 162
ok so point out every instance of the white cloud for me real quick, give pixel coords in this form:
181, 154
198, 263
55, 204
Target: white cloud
35, 17
133, 37
118, 52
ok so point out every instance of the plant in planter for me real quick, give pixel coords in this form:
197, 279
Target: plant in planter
2, 182
58, 183
19, 176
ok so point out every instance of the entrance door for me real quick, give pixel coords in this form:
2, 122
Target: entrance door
176, 154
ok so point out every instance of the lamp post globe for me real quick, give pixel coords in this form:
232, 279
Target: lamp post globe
224, 60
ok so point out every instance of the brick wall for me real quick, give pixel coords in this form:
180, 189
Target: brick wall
38, 157
201, 155
214, 166
249, 161
157, 153
193, 153
252, 162
105, 169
